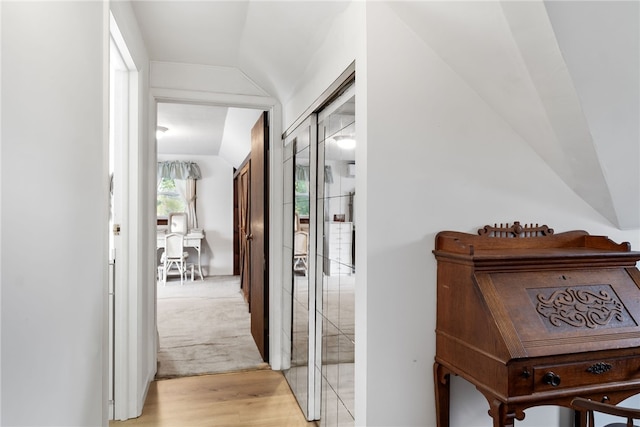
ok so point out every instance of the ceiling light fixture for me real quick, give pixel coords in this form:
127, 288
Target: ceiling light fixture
160, 131
345, 142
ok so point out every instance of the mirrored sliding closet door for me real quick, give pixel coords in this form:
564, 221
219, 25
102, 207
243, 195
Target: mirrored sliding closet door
319, 256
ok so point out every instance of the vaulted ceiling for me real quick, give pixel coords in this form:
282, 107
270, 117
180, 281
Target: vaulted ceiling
562, 74
272, 42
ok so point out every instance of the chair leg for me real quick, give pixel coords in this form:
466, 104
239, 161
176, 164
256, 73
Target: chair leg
181, 273
164, 275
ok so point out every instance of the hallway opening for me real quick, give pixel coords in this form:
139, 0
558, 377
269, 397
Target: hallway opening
203, 325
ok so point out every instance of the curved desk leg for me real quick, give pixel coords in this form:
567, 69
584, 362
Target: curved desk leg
502, 414
442, 390
501, 418
199, 263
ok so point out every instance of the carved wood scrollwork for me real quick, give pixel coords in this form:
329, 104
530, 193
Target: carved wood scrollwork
515, 231
580, 307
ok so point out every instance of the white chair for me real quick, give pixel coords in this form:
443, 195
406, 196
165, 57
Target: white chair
178, 222
174, 256
300, 243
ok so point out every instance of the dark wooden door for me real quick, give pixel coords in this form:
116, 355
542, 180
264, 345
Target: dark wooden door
236, 224
241, 183
259, 236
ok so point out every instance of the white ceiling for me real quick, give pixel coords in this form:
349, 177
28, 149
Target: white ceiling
206, 130
543, 66
270, 41
243, 34
191, 128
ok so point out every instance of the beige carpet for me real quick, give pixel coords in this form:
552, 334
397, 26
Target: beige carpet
204, 328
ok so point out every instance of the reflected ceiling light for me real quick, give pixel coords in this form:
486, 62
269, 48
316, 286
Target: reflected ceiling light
345, 142
160, 131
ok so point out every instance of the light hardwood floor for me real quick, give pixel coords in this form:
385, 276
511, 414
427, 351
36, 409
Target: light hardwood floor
244, 399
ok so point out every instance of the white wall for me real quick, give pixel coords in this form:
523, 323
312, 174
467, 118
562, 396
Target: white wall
54, 207
214, 206
600, 42
437, 157
236, 140
334, 56
431, 155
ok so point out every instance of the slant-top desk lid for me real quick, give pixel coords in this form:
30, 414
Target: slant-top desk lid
524, 291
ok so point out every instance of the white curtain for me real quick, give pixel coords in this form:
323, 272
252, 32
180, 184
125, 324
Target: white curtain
179, 170
187, 190
302, 174
184, 174
190, 197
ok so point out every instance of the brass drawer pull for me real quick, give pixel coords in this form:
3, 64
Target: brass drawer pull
599, 368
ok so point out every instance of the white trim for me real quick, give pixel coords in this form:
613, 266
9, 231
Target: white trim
114, 32
106, 46
1, 210
1, 227
314, 332
127, 316
336, 103
208, 70
208, 98
275, 237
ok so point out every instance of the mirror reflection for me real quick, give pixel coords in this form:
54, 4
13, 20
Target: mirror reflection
337, 153
319, 262
300, 350
297, 186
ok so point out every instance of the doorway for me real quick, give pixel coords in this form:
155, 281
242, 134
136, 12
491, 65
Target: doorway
196, 319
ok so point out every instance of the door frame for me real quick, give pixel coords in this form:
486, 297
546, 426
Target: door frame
124, 360
274, 207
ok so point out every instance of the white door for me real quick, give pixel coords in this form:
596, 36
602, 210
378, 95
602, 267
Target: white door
119, 113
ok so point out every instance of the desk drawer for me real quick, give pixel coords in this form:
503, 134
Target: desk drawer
191, 242
552, 377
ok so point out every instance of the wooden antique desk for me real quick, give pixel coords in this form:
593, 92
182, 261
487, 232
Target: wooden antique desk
193, 239
535, 318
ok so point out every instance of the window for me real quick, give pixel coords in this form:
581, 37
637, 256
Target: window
302, 197
169, 198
